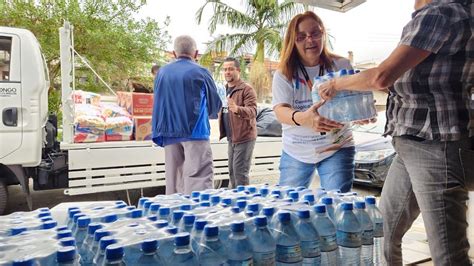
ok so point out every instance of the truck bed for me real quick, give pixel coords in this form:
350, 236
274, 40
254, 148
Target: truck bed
119, 165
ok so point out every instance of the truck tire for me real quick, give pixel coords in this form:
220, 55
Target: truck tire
3, 197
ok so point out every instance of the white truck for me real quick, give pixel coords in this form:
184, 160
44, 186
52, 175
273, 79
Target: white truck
29, 148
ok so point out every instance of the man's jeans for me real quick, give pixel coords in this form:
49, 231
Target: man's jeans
426, 176
335, 172
240, 159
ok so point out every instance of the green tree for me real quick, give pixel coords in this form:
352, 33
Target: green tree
261, 26
106, 32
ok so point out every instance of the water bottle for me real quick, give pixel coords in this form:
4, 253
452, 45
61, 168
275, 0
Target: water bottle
154, 207
146, 207
328, 201
377, 221
348, 236
288, 243
110, 218
63, 234
183, 254
263, 243
86, 247
309, 198
67, 256
215, 199
177, 215
74, 220
164, 214
72, 211
367, 252
269, 212
114, 256
24, 262
211, 251
327, 235
149, 256
160, 224
309, 239
141, 202
239, 249
98, 235
294, 195
196, 234
134, 214
187, 223
68, 242
103, 244
166, 244
81, 229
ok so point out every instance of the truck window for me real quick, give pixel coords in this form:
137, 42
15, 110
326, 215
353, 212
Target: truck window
5, 50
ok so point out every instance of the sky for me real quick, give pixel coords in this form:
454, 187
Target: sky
371, 30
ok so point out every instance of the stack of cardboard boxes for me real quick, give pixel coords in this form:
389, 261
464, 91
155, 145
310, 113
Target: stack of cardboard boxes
140, 106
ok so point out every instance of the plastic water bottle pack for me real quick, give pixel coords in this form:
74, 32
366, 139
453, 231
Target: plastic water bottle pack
249, 225
346, 106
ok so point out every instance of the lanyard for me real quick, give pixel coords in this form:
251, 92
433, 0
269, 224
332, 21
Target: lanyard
306, 76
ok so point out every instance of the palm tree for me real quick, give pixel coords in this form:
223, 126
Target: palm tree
261, 25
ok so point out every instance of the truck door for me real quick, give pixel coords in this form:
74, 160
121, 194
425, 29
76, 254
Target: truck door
11, 122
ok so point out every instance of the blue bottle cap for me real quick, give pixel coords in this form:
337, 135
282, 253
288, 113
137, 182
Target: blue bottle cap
177, 215
25, 262
73, 212
186, 196
171, 229
357, 71
120, 202
161, 223
49, 224
63, 234
253, 207
260, 220
346, 206
66, 254
227, 201
83, 221
211, 230
44, 214
106, 241
99, 233
149, 245
47, 218
215, 199
165, 211
237, 226
241, 204
264, 191
205, 204
181, 239
268, 211
289, 190
68, 241
343, 72
72, 208
141, 201
185, 207
235, 209
309, 198
251, 189
137, 213
195, 194
152, 218
17, 230
303, 214
61, 228
351, 72
110, 218
320, 208
133, 224
199, 224
189, 219
93, 227
360, 205
284, 216
114, 252
276, 192
241, 198
154, 207
130, 208
327, 200
77, 216
147, 204
240, 188
294, 195
204, 197
256, 195
121, 206
370, 200
234, 190
249, 213
98, 208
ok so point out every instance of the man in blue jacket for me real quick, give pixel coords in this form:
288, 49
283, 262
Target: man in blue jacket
185, 98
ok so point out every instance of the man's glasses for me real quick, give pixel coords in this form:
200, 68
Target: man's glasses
300, 37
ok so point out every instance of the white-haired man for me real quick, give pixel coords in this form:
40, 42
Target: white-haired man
185, 98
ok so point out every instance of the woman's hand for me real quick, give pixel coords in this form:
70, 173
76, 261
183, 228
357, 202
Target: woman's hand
327, 90
317, 122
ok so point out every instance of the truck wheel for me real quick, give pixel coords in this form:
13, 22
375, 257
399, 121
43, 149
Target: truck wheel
3, 197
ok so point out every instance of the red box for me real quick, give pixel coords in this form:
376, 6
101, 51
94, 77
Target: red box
142, 127
136, 103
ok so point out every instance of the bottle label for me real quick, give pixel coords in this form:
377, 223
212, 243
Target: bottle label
348, 239
368, 237
310, 249
378, 229
247, 262
264, 258
328, 243
288, 254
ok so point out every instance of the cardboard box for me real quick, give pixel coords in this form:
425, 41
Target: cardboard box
142, 127
137, 104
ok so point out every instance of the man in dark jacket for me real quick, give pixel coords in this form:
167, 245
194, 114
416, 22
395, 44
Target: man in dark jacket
238, 123
185, 99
